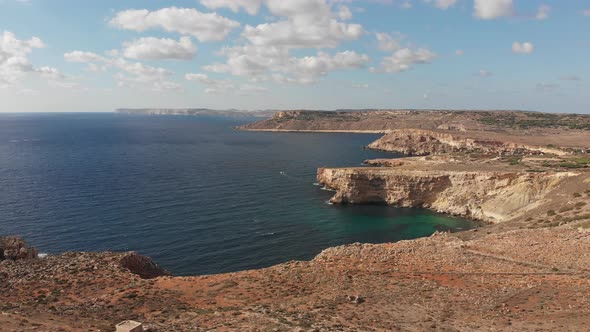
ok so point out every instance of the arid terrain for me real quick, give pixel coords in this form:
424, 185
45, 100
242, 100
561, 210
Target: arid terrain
524, 176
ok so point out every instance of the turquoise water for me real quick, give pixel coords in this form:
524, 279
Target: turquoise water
194, 194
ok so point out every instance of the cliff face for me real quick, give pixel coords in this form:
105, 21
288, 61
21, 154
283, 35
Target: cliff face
416, 142
488, 196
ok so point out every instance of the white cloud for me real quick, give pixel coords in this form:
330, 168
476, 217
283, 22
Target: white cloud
251, 61
523, 48
15, 63
543, 12
405, 59
492, 9
309, 68
186, 21
214, 86
387, 42
459, 52
50, 73
442, 4
131, 74
307, 23
150, 48
264, 53
83, 57
260, 63
250, 6
586, 12
483, 73
344, 13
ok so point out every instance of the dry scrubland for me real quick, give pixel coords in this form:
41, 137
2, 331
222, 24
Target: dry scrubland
524, 175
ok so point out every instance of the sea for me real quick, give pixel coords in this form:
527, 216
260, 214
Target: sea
193, 193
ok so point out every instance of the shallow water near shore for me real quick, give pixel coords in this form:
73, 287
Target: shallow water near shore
191, 192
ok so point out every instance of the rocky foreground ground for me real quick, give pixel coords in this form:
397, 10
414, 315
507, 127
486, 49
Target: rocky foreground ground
522, 280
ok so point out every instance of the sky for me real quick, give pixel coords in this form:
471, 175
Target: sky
96, 56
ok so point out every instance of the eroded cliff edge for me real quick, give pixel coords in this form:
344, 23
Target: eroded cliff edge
491, 196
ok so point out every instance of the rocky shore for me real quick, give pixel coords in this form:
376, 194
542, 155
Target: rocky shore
526, 269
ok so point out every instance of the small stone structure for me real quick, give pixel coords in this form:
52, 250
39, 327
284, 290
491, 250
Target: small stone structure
129, 326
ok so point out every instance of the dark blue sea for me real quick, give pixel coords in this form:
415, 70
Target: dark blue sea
191, 192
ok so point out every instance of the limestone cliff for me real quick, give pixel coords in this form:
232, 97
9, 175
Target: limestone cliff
416, 142
490, 196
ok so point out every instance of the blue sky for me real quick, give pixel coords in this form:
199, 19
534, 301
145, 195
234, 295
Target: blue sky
62, 55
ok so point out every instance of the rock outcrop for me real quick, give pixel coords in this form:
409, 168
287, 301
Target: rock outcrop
15, 248
490, 196
416, 142
142, 266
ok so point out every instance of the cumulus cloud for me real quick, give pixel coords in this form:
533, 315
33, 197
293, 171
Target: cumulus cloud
264, 53
131, 74
15, 63
344, 13
523, 48
492, 9
543, 12
260, 63
309, 68
250, 6
214, 86
405, 59
442, 4
150, 48
83, 57
186, 21
50, 73
387, 42
407, 4
306, 24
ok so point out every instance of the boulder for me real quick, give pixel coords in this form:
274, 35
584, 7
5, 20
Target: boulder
142, 266
15, 248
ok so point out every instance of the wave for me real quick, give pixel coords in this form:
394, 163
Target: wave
24, 140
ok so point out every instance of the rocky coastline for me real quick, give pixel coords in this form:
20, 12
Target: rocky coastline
526, 269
